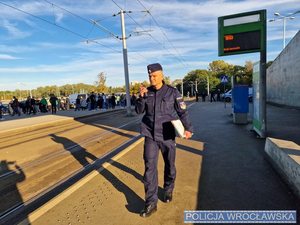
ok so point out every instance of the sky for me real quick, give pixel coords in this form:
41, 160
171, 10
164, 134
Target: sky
57, 42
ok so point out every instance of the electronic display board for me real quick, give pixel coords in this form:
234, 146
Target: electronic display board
242, 33
242, 41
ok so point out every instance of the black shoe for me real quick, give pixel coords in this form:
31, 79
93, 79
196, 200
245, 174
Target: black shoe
148, 210
168, 197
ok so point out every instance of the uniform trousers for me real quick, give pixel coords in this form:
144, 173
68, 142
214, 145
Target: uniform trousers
151, 151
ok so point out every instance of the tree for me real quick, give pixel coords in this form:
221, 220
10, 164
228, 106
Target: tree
247, 79
200, 76
100, 83
167, 80
220, 67
177, 83
135, 88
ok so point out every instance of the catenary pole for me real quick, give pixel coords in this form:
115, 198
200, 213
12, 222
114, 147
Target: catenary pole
125, 60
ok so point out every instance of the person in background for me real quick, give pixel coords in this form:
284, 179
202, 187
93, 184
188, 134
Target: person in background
32, 106
15, 106
67, 103
212, 96
53, 101
44, 105
113, 101
218, 95
1, 111
77, 103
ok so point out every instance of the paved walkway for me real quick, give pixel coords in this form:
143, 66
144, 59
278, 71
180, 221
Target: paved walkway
229, 173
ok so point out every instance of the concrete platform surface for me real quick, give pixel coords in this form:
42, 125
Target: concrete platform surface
231, 172
115, 193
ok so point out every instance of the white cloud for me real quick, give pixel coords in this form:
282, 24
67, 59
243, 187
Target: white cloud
13, 30
7, 57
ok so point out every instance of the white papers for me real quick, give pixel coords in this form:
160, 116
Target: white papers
179, 128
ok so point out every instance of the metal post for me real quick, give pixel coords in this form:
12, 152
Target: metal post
263, 86
125, 59
207, 85
182, 87
224, 95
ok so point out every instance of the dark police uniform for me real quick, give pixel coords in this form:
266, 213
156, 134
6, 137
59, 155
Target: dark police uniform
160, 107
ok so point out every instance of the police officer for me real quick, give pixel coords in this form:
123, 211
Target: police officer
161, 103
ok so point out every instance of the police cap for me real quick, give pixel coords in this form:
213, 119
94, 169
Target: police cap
154, 67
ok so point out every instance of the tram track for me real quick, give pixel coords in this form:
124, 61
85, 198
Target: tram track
49, 128
31, 204
63, 151
66, 155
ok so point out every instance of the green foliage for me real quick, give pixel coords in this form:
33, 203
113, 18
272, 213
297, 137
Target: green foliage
167, 80
100, 83
215, 70
197, 77
220, 67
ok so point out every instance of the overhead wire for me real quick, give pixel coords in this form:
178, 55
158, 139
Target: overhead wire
115, 36
93, 22
157, 41
165, 35
59, 26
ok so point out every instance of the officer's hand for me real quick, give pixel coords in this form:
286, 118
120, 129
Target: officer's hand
143, 90
188, 134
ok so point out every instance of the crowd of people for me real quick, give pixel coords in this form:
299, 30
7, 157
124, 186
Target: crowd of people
92, 101
95, 101
212, 95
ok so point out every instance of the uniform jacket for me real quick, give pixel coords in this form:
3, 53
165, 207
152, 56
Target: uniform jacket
160, 107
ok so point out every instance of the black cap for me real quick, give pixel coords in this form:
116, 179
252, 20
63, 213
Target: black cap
154, 67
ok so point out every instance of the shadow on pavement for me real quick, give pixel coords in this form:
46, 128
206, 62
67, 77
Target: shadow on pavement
134, 202
9, 193
79, 153
188, 149
138, 177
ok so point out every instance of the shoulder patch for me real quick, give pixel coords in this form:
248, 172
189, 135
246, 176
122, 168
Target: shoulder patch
182, 105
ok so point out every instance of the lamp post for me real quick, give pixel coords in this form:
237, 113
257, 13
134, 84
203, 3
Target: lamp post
283, 18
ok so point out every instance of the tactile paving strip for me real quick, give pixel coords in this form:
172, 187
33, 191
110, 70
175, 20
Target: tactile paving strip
116, 195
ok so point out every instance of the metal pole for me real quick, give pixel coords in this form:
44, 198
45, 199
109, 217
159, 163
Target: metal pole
207, 85
263, 93
182, 87
263, 87
125, 59
224, 94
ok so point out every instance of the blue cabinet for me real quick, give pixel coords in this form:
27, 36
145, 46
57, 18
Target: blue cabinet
240, 99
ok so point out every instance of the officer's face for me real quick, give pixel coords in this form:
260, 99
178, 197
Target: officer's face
156, 78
